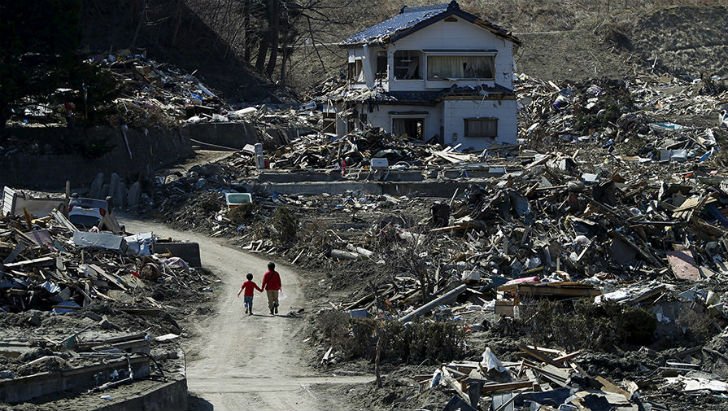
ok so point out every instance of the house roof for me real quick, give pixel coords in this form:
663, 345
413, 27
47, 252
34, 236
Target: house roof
411, 19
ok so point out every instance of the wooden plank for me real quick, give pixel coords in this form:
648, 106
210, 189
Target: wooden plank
646, 255
546, 350
37, 261
19, 248
113, 278
568, 357
507, 386
454, 384
556, 375
111, 223
62, 220
551, 290
112, 340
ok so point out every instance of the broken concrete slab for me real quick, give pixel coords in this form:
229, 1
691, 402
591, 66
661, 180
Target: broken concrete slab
683, 265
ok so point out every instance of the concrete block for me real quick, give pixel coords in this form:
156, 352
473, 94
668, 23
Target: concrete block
96, 186
120, 195
114, 186
133, 195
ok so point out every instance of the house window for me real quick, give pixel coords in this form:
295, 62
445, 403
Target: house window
407, 65
412, 127
356, 72
460, 67
381, 65
481, 127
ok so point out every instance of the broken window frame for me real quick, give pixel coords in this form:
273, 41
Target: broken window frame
486, 72
355, 71
382, 64
408, 65
409, 117
487, 127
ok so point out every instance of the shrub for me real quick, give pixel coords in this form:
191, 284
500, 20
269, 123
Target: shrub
285, 223
401, 343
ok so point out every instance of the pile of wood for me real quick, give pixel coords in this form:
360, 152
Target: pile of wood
49, 264
544, 376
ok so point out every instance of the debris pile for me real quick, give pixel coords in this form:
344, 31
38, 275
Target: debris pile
153, 93
126, 88
543, 378
647, 119
605, 232
356, 150
101, 304
51, 265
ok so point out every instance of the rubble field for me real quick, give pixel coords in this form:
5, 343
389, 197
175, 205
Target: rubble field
90, 317
583, 269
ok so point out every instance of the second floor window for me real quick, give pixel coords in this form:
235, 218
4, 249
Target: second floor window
460, 67
356, 72
407, 65
381, 65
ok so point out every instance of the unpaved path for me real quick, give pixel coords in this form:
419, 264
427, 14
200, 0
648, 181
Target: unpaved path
249, 362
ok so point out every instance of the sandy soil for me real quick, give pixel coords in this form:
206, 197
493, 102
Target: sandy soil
239, 361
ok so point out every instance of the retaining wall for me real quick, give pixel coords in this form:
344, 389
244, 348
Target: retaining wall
233, 135
170, 396
72, 154
238, 134
24, 389
418, 188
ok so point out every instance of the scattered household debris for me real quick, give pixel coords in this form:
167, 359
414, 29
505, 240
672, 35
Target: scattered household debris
613, 210
99, 305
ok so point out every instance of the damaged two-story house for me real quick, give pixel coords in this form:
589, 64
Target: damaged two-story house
434, 73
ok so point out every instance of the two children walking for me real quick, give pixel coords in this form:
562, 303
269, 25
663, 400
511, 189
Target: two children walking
271, 285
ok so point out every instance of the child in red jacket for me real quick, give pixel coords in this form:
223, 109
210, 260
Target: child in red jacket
249, 286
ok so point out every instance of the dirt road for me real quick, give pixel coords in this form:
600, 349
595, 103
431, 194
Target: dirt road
249, 362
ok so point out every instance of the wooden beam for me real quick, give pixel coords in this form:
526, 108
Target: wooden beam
37, 261
507, 386
113, 278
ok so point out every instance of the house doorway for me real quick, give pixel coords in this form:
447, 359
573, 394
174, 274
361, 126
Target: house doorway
413, 127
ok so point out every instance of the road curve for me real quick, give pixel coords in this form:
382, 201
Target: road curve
241, 362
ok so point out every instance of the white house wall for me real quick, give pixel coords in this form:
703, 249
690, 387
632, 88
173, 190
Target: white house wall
382, 118
455, 111
460, 35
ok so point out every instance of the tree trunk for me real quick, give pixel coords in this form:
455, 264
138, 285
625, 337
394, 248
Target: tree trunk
284, 62
247, 30
262, 52
139, 23
274, 19
177, 22
4, 117
378, 356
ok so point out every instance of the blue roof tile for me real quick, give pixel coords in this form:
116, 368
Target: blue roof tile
408, 18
